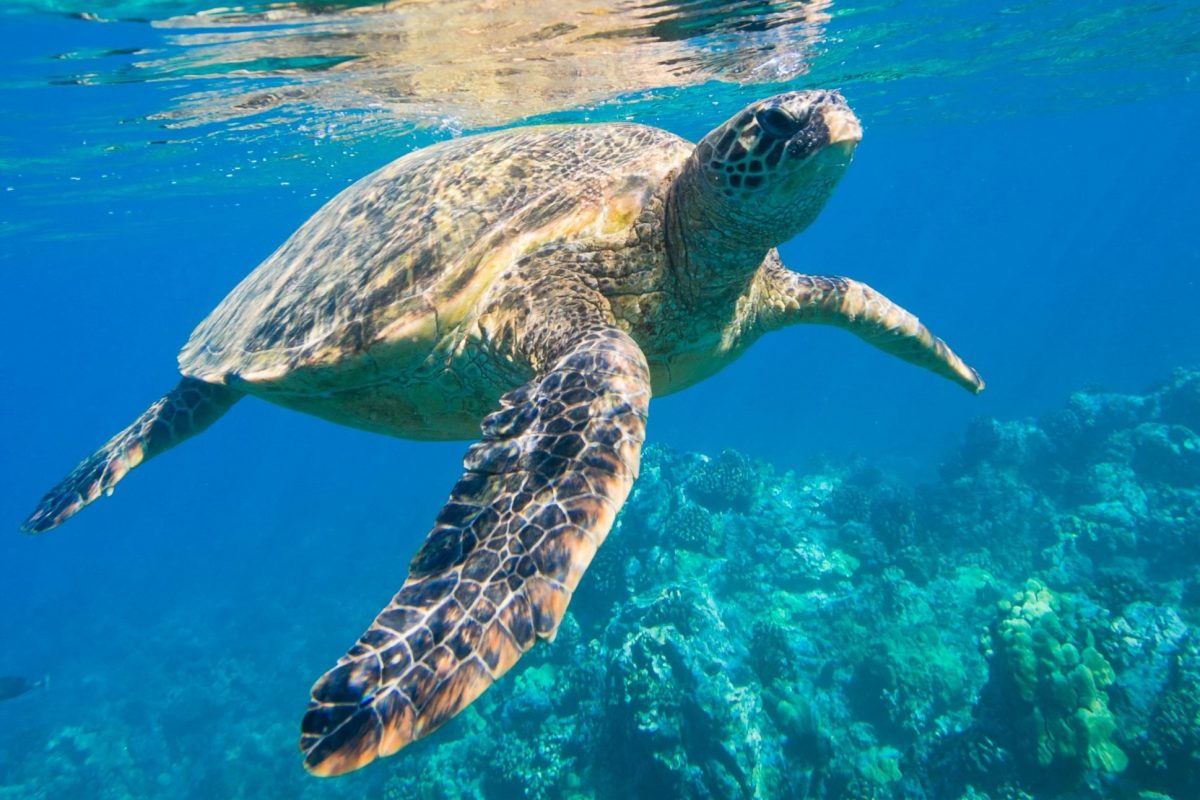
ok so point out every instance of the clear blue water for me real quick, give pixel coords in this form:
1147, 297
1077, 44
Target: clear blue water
1027, 185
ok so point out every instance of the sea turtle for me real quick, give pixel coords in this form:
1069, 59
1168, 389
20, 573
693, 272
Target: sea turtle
541, 284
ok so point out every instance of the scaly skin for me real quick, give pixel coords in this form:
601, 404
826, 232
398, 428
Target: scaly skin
185, 411
538, 497
562, 275
782, 298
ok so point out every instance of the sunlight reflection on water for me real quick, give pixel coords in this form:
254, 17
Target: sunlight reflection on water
469, 64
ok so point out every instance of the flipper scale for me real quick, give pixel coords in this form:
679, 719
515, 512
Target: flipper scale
497, 571
182, 413
788, 298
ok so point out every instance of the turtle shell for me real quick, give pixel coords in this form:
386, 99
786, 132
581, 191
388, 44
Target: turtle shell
398, 258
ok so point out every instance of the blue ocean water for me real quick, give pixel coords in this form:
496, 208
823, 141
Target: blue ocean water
1026, 185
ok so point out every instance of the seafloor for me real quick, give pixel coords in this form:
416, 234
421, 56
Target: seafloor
1024, 626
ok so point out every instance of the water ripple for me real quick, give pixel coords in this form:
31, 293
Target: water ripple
469, 64
151, 84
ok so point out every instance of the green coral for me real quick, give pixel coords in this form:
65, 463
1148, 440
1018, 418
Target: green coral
879, 765
683, 721
693, 528
727, 482
848, 503
1060, 679
1172, 748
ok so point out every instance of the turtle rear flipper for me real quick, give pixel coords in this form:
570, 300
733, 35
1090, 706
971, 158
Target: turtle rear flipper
183, 412
538, 497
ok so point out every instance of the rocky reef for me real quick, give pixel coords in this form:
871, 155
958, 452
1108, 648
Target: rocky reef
1023, 626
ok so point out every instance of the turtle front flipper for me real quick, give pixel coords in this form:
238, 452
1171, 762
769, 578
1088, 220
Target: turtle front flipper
182, 413
537, 499
787, 298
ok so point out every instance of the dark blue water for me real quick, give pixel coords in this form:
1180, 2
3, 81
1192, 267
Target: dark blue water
1049, 235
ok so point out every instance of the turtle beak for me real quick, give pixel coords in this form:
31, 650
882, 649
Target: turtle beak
845, 131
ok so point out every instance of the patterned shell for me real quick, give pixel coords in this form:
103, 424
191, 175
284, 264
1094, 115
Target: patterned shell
401, 255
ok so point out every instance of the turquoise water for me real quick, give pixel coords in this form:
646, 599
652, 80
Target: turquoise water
1026, 185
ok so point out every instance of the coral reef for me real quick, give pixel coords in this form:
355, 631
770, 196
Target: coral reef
1059, 678
723, 483
843, 635
1024, 626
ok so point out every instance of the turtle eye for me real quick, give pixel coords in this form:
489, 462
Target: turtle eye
778, 123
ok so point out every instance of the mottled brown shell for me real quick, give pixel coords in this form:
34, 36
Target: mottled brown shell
398, 258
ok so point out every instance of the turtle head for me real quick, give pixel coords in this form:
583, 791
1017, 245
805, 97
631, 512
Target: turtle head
764, 175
